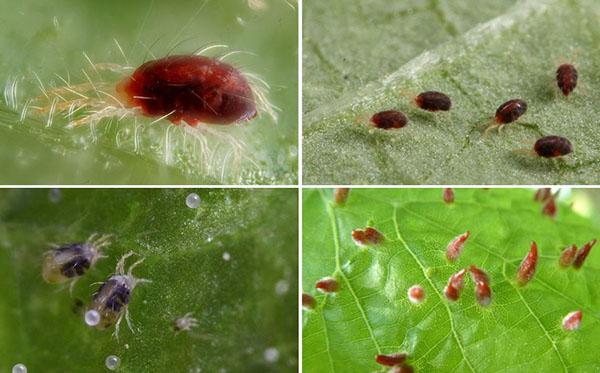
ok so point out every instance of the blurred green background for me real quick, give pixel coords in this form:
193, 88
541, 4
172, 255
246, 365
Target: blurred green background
49, 37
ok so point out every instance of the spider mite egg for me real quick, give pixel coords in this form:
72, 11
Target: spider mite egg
510, 111
340, 195
308, 302
568, 256
416, 294
92, 318
566, 78
528, 265
552, 146
572, 321
455, 247
583, 253
367, 236
112, 362
190, 88
455, 285
433, 101
389, 119
19, 368
192, 201
327, 285
448, 195
391, 359
70, 261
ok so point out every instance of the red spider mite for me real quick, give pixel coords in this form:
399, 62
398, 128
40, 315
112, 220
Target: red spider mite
583, 253
389, 119
566, 78
568, 256
552, 147
550, 208
340, 195
478, 275
308, 301
508, 112
455, 247
483, 294
572, 321
191, 88
448, 195
528, 266
542, 194
455, 285
367, 236
391, 359
433, 101
327, 285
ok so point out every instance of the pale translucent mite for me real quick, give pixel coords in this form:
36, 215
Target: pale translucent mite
111, 300
71, 261
185, 323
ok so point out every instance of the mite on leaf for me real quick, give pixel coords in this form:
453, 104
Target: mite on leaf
391, 360
389, 119
327, 285
456, 246
572, 320
433, 101
568, 256
416, 294
308, 302
340, 195
566, 78
455, 285
528, 265
448, 195
508, 112
367, 236
583, 253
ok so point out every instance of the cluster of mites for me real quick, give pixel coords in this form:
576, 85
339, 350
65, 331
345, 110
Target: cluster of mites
369, 236
109, 305
508, 112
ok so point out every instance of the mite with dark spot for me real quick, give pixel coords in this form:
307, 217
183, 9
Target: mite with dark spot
391, 360
508, 112
367, 236
566, 78
552, 147
583, 253
69, 262
389, 119
308, 302
433, 101
327, 285
448, 195
189, 88
340, 195
455, 247
528, 265
112, 299
416, 294
455, 285
572, 321
568, 256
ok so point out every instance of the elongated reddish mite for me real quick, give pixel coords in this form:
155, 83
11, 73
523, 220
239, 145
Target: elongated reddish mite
528, 266
190, 88
455, 247
448, 195
552, 147
340, 195
478, 275
566, 78
367, 236
550, 208
455, 285
308, 302
433, 101
483, 294
568, 256
389, 119
583, 253
327, 285
572, 321
391, 360
416, 294
542, 194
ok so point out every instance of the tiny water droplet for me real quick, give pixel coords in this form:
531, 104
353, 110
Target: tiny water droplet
271, 354
92, 318
19, 368
54, 195
112, 362
226, 256
192, 201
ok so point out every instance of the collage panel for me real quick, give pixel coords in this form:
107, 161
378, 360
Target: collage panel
450, 280
149, 92
450, 92
148, 280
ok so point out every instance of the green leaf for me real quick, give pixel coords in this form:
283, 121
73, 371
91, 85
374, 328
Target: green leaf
245, 305
519, 332
514, 55
49, 38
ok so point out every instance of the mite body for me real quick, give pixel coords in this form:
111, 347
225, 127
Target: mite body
528, 265
552, 147
583, 253
566, 78
568, 256
391, 360
448, 195
367, 236
508, 112
456, 246
191, 88
572, 320
71, 261
455, 285
185, 323
327, 285
433, 101
389, 119
112, 299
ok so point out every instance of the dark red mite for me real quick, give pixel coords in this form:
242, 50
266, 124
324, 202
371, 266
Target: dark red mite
552, 146
510, 111
433, 101
566, 78
190, 88
389, 119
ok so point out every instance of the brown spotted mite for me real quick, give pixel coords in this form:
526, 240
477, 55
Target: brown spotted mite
69, 262
552, 147
389, 119
433, 101
566, 78
112, 299
508, 112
